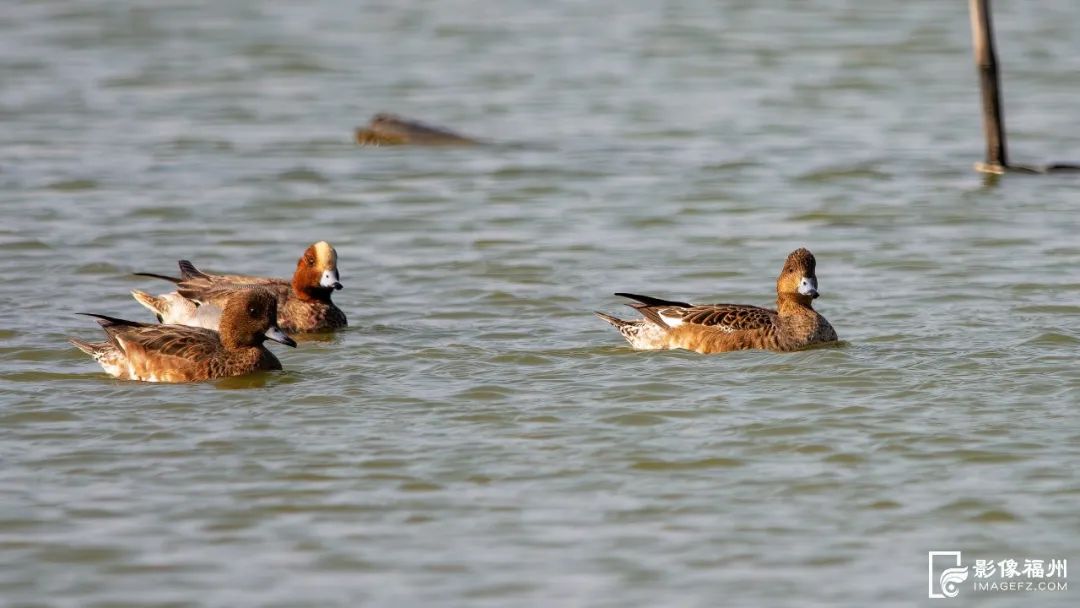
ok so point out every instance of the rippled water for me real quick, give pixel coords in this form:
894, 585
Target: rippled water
477, 437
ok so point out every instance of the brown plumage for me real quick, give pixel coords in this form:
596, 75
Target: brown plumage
178, 353
715, 328
304, 303
391, 130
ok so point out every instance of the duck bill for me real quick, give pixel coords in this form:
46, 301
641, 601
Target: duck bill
330, 280
275, 334
808, 287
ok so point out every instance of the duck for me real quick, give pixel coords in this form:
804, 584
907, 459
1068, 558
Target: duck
180, 353
717, 328
304, 303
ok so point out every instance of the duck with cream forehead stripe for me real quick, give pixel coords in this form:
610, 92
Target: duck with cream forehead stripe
304, 302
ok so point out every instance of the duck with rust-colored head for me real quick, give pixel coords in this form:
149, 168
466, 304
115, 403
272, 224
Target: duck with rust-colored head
716, 328
304, 303
179, 353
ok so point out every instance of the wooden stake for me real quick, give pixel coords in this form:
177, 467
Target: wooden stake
982, 37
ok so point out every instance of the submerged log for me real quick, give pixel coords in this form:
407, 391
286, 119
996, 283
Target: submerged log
391, 130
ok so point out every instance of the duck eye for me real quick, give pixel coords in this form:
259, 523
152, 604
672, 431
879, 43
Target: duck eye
311, 261
252, 311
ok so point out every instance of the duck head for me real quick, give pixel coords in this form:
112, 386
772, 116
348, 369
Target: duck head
798, 279
316, 273
249, 318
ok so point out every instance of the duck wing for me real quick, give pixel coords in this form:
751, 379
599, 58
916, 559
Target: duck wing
134, 338
192, 276
724, 317
215, 293
180, 341
203, 288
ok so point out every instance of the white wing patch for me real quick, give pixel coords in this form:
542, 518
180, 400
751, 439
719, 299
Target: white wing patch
671, 321
178, 310
182, 311
207, 316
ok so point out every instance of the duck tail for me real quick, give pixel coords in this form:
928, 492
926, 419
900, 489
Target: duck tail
189, 271
651, 301
94, 349
156, 305
640, 333
109, 322
615, 321
157, 276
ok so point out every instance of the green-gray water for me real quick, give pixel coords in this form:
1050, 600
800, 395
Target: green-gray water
477, 437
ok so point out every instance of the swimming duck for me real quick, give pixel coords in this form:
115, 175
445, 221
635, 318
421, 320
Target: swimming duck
178, 353
715, 328
304, 303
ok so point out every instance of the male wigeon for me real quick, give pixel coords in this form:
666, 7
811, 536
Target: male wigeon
179, 353
304, 303
719, 328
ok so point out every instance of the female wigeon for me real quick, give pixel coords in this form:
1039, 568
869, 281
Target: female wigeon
719, 328
178, 353
304, 303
